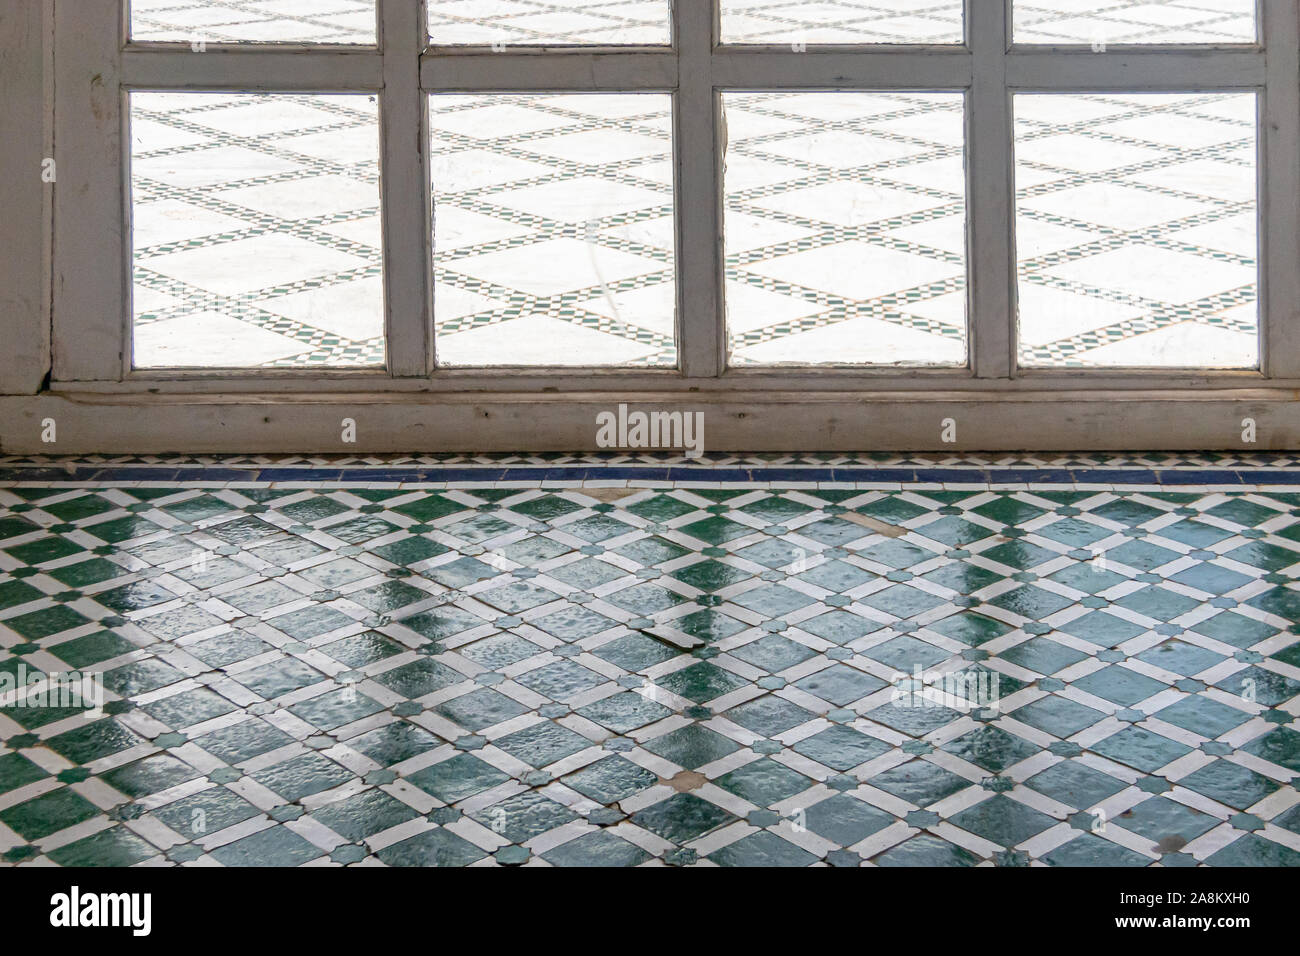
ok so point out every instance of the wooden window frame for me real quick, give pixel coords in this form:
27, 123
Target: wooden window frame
86, 315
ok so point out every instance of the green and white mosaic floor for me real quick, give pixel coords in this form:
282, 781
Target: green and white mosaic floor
258, 237
621, 673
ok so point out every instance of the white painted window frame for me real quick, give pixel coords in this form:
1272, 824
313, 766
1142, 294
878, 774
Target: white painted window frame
94, 67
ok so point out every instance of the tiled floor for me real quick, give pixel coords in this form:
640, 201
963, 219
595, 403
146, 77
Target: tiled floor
257, 223
330, 666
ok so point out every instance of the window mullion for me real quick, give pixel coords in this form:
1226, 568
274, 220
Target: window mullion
700, 320
989, 151
258, 69
1280, 199
404, 151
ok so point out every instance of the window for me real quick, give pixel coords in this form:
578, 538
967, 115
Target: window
797, 24
1137, 21
553, 229
255, 230
1137, 229
845, 228
253, 21
550, 22
686, 197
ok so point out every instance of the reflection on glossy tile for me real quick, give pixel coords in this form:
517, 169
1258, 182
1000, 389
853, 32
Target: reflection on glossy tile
1137, 230
372, 673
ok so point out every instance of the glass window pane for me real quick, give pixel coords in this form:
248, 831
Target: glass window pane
846, 228
841, 21
254, 21
256, 231
550, 22
1135, 21
1137, 230
554, 234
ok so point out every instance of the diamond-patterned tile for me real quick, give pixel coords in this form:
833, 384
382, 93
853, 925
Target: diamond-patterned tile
526, 709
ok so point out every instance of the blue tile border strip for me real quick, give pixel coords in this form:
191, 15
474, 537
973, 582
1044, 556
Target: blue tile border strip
1172, 477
